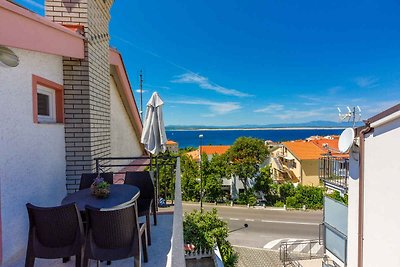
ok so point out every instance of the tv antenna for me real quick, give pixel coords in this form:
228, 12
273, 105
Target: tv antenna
141, 95
353, 114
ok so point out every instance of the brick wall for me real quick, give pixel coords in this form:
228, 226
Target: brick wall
86, 86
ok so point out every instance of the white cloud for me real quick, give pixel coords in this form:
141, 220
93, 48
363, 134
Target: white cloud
205, 83
292, 115
366, 82
35, 4
138, 91
270, 108
219, 108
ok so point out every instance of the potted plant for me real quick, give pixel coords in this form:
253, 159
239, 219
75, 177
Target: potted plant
100, 188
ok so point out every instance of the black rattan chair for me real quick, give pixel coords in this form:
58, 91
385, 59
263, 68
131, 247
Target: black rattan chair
88, 178
55, 232
114, 234
146, 202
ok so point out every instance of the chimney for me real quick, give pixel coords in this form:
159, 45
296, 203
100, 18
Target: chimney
86, 85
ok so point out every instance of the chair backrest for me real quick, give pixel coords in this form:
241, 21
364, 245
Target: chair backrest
56, 227
143, 180
88, 178
112, 228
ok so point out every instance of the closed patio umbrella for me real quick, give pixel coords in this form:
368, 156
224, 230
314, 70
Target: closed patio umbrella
154, 137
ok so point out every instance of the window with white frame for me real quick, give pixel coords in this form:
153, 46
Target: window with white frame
46, 104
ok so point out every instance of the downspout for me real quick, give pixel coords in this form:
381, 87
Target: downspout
361, 194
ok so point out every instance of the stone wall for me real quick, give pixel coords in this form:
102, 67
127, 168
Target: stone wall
86, 86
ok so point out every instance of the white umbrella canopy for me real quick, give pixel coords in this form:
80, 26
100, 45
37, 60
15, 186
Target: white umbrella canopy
154, 137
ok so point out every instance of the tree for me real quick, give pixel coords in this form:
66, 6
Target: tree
212, 171
245, 157
190, 174
264, 180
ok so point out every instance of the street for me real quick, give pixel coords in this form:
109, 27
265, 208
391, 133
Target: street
266, 226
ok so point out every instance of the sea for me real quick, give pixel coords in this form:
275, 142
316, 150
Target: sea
190, 138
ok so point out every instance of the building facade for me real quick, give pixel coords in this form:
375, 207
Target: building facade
365, 233
67, 102
298, 161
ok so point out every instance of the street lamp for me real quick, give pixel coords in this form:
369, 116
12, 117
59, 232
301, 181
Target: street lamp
201, 178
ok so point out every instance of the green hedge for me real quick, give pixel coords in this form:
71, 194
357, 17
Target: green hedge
204, 230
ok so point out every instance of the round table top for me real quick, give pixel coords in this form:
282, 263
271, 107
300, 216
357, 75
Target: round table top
119, 195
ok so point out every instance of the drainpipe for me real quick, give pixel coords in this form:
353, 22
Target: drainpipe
361, 194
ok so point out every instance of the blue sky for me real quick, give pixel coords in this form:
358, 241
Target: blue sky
233, 62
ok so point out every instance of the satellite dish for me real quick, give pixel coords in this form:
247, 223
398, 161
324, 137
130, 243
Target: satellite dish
8, 57
346, 140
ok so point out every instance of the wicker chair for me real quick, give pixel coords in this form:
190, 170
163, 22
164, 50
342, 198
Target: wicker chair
55, 232
115, 234
88, 178
146, 202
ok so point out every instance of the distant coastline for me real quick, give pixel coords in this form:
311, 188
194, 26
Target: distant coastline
256, 129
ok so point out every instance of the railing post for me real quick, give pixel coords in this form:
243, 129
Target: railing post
97, 165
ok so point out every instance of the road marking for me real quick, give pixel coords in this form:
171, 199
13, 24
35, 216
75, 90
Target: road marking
249, 220
286, 222
234, 219
272, 244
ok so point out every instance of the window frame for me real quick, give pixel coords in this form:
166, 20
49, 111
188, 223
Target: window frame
51, 94
56, 91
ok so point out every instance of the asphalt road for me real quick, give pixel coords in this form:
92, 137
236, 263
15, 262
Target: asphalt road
266, 226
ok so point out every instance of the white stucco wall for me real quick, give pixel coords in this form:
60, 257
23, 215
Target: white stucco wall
352, 219
32, 156
382, 198
124, 142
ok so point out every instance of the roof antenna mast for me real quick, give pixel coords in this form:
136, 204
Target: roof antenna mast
353, 115
141, 95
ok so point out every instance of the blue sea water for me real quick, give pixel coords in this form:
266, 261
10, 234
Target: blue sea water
228, 137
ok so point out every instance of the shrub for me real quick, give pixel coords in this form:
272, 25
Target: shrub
279, 204
204, 230
310, 196
336, 195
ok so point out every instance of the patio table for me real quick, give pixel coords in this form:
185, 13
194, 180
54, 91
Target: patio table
120, 194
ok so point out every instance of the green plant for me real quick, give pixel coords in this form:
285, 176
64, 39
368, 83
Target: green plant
279, 204
336, 195
205, 229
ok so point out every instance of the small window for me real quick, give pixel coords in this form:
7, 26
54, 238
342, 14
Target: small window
48, 101
46, 104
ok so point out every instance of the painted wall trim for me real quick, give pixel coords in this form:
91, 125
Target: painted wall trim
24, 29
59, 90
117, 63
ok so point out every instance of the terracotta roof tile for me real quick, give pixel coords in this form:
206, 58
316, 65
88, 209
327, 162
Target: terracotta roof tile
170, 142
211, 150
313, 149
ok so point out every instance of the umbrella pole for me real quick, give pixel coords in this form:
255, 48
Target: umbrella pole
157, 184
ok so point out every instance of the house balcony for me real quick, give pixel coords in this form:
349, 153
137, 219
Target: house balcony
334, 173
167, 236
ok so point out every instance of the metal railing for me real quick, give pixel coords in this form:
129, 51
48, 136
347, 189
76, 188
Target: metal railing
334, 172
119, 165
291, 253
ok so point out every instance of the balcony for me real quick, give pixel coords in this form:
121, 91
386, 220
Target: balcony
167, 235
334, 173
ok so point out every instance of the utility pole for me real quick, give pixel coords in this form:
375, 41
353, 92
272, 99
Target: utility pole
201, 176
141, 95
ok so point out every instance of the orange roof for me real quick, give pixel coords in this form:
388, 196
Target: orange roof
304, 150
170, 142
313, 149
211, 150
193, 154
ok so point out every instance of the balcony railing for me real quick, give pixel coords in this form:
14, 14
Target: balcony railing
291, 257
334, 173
335, 228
